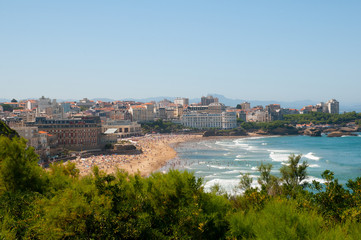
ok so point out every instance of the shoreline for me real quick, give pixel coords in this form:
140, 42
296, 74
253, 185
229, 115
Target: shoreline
157, 150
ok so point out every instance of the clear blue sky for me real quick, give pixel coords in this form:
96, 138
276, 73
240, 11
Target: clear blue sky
265, 50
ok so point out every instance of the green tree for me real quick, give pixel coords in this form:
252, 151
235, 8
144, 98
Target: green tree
293, 174
7, 107
18, 166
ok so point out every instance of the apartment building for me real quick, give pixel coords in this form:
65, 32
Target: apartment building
333, 106
208, 100
142, 113
182, 101
245, 106
49, 108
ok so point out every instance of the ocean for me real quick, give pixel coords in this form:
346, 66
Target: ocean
223, 161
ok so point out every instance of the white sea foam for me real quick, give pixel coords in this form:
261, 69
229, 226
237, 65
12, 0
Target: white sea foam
281, 151
224, 144
254, 168
227, 184
255, 138
232, 172
251, 176
264, 144
309, 179
231, 186
209, 176
314, 165
218, 167
242, 145
311, 156
205, 144
278, 157
252, 148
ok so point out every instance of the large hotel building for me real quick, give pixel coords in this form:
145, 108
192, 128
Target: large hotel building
224, 120
76, 134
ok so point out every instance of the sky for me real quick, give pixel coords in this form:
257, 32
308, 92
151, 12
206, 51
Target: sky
261, 50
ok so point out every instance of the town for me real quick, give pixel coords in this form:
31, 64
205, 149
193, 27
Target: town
52, 127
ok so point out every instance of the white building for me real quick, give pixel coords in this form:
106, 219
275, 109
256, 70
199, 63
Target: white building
142, 113
333, 106
31, 104
224, 120
49, 108
257, 116
181, 101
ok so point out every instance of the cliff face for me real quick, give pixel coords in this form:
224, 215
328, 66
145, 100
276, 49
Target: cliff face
6, 131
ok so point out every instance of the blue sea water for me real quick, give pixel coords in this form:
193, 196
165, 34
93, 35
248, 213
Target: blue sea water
223, 161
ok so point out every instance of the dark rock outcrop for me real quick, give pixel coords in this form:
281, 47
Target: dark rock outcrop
279, 131
118, 147
313, 132
348, 129
232, 132
340, 134
283, 131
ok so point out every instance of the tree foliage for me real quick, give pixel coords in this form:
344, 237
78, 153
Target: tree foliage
160, 126
59, 204
7, 107
322, 118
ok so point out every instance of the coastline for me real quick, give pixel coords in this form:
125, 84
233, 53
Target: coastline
157, 150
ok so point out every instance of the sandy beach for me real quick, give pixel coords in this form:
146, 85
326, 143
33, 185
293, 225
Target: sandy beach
157, 150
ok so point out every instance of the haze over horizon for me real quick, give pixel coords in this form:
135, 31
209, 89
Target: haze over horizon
279, 50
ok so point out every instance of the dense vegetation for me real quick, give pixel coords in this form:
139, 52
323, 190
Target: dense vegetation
7, 107
5, 130
292, 119
322, 118
263, 125
58, 204
160, 126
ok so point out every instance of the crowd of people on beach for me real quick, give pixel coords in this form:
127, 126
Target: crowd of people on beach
156, 150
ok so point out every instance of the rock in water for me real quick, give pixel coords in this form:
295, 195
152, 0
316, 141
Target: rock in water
313, 132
